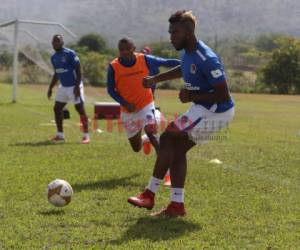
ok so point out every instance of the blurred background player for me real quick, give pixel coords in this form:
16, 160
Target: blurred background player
212, 109
67, 70
125, 86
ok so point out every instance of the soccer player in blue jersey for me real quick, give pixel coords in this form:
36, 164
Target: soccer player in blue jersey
68, 72
211, 110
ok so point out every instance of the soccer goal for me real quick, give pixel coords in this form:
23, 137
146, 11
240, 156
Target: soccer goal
28, 43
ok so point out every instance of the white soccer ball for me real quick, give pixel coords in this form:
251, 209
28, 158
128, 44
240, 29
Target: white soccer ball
59, 193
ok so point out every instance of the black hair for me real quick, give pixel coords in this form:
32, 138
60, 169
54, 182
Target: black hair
184, 17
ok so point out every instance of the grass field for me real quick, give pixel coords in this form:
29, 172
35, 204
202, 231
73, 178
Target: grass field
251, 201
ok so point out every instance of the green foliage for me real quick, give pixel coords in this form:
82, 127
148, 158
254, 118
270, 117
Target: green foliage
33, 74
282, 72
267, 42
231, 47
94, 67
6, 59
29, 71
94, 56
268, 63
242, 82
93, 42
164, 49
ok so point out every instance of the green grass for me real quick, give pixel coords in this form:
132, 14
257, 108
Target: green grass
252, 201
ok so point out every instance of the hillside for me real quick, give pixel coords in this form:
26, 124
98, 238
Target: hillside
147, 20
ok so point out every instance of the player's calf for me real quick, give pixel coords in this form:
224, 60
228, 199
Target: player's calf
151, 138
136, 142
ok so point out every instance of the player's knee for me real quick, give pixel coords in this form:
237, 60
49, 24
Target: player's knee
80, 110
135, 144
150, 129
136, 148
57, 109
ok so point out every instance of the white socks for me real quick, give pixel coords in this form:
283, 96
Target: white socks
145, 138
86, 135
60, 134
177, 195
153, 184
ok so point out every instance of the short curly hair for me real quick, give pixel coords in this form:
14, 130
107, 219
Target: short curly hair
126, 40
59, 36
184, 17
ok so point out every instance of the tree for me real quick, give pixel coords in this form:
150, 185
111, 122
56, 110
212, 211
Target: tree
93, 42
283, 70
6, 59
94, 66
267, 42
164, 49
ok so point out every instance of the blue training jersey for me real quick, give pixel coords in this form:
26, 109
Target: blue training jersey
201, 71
64, 63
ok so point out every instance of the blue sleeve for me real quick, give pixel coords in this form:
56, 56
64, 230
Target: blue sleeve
111, 86
156, 62
213, 70
74, 59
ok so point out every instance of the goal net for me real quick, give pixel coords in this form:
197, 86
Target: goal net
25, 51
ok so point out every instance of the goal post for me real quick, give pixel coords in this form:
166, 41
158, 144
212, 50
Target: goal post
19, 33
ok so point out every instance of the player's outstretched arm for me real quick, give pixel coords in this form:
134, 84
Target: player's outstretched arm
52, 84
157, 62
169, 75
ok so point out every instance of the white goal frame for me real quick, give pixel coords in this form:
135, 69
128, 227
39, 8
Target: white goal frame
16, 23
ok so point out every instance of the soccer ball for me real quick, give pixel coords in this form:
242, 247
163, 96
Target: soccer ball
59, 193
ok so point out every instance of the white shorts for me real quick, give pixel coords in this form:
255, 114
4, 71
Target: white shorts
66, 95
201, 123
135, 122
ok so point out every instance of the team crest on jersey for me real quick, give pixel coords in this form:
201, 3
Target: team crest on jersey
216, 73
193, 68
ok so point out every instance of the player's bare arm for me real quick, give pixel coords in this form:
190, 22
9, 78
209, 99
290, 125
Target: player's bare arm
78, 80
169, 75
52, 84
220, 95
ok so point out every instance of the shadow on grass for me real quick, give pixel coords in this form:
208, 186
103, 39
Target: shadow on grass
107, 184
157, 229
38, 144
51, 212
6, 103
